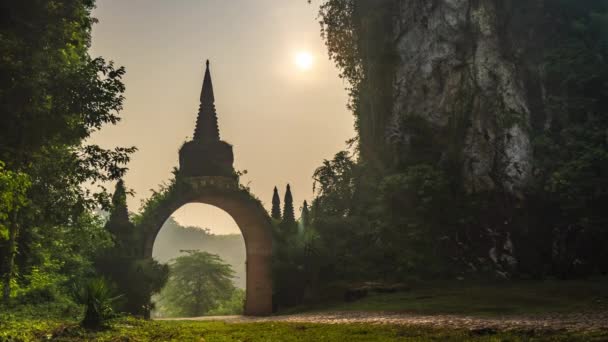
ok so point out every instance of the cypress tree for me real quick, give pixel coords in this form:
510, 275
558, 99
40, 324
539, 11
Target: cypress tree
120, 225
288, 215
305, 217
120, 212
136, 277
276, 205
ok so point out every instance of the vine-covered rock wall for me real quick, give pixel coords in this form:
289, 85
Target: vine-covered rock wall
463, 67
506, 99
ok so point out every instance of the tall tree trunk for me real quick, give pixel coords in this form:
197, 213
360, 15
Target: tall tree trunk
10, 259
9, 266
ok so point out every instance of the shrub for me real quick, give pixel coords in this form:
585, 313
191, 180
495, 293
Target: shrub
98, 298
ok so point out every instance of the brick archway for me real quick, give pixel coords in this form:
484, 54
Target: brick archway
248, 213
206, 175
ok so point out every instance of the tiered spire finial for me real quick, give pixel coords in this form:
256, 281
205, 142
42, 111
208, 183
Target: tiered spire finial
207, 129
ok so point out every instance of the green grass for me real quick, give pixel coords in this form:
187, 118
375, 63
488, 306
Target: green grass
24, 322
32, 323
129, 329
485, 300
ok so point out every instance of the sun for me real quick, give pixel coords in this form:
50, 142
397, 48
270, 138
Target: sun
304, 60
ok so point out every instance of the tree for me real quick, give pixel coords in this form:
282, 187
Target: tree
233, 306
120, 211
305, 216
288, 213
276, 205
97, 297
335, 185
137, 278
13, 187
198, 283
53, 96
119, 225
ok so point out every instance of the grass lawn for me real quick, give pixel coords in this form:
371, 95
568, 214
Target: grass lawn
485, 300
128, 329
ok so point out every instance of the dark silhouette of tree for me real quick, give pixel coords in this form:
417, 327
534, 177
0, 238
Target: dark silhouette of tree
305, 216
288, 215
120, 212
119, 225
135, 276
276, 205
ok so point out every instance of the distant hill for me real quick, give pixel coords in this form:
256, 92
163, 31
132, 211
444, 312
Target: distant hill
173, 237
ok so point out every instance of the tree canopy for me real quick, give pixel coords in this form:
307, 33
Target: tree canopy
53, 96
198, 283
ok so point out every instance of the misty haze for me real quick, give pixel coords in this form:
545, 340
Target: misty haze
304, 170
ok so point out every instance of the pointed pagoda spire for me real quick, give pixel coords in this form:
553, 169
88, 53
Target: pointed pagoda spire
207, 130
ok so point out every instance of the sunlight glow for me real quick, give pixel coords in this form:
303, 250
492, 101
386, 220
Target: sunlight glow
304, 60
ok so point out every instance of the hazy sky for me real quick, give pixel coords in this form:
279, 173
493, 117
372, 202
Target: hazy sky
282, 120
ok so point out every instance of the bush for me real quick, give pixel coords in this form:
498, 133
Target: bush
98, 298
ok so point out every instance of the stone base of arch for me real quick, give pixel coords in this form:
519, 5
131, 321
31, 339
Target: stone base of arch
248, 213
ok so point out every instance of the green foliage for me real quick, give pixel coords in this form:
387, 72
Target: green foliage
198, 283
13, 188
296, 262
120, 212
334, 184
136, 278
27, 323
98, 298
165, 194
572, 151
124, 263
53, 96
174, 237
358, 37
404, 212
129, 329
484, 299
339, 30
409, 225
66, 257
231, 306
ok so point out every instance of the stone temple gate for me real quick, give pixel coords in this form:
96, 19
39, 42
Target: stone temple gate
206, 175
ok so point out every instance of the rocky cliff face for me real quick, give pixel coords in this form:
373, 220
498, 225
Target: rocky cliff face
469, 72
469, 69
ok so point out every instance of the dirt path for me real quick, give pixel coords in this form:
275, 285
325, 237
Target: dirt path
579, 321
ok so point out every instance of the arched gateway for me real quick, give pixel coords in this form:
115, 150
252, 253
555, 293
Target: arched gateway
206, 175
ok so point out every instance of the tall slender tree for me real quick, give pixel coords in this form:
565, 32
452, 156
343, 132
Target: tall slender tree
305, 216
120, 212
119, 224
276, 205
288, 214
135, 276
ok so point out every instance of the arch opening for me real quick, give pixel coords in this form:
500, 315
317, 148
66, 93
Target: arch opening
197, 227
248, 214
